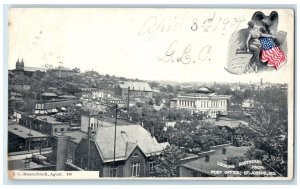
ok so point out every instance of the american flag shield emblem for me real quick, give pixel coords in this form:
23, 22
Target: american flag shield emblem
271, 53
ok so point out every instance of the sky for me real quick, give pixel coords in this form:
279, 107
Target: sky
149, 44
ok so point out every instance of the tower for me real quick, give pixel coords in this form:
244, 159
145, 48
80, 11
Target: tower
17, 65
22, 64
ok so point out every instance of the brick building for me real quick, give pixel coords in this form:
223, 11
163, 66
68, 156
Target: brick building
44, 124
135, 90
61, 71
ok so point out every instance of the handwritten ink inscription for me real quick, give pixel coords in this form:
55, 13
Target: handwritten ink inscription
216, 23
238, 64
187, 55
183, 52
154, 25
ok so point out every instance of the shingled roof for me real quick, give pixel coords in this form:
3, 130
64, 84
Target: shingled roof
127, 139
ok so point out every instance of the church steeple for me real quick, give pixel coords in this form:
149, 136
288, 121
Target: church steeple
20, 65
17, 64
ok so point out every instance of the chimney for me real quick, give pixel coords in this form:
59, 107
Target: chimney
59, 151
152, 131
218, 116
224, 151
207, 158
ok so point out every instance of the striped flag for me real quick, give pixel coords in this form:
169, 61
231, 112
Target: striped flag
271, 53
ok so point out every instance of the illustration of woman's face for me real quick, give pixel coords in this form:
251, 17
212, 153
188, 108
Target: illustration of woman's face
257, 27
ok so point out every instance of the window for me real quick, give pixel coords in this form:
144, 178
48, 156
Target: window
151, 167
55, 130
113, 171
135, 155
135, 169
62, 129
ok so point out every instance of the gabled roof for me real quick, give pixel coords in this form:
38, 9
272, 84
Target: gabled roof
138, 86
128, 137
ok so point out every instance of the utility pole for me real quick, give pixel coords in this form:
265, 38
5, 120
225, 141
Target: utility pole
29, 140
89, 141
115, 137
128, 98
30, 128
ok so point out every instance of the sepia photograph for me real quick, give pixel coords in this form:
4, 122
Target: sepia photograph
151, 93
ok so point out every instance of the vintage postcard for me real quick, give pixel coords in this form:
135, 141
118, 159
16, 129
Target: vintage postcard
151, 93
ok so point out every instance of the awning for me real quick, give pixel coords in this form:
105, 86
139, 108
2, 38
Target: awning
40, 112
52, 111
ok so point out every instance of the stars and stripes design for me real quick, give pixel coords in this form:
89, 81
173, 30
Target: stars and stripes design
271, 53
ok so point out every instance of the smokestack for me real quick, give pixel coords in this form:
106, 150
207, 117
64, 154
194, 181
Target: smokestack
207, 158
60, 150
224, 151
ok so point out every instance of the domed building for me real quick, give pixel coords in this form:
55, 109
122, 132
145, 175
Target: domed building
203, 101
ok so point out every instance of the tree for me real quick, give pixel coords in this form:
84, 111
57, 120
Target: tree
76, 70
196, 136
269, 137
72, 114
167, 165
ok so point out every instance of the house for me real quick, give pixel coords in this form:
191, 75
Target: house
202, 101
214, 163
230, 125
61, 71
250, 105
129, 156
133, 89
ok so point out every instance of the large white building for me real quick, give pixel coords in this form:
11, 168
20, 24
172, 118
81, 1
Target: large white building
202, 101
